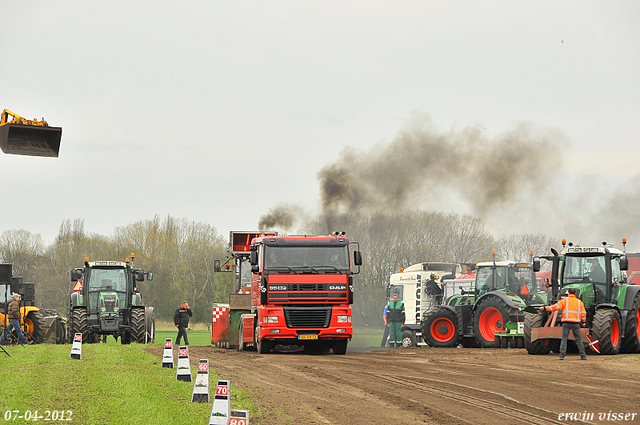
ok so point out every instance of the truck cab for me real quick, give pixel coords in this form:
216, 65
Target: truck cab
301, 292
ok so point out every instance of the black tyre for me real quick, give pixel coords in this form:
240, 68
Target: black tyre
152, 330
262, 346
138, 328
631, 340
409, 338
539, 346
440, 328
340, 347
491, 316
607, 330
79, 323
240, 338
35, 327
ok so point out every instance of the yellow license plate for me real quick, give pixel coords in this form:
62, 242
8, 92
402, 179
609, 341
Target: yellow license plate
307, 336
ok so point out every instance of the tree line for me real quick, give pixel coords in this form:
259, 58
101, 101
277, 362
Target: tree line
181, 254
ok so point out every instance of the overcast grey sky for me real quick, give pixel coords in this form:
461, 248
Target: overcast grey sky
219, 111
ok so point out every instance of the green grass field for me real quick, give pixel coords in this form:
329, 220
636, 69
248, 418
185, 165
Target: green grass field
115, 383
112, 384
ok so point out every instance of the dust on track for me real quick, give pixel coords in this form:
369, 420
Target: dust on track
427, 385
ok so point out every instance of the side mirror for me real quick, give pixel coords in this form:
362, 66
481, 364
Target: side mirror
76, 275
624, 263
149, 275
536, 265
253, 258
357, 258
216, 266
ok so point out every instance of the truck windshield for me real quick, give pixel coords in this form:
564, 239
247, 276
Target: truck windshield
108, 280
316, 257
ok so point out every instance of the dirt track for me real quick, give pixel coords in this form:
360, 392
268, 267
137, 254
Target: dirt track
430, 385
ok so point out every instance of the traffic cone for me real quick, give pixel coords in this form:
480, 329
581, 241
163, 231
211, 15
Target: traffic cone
76, 348
221, 409
201, 385
167, 355
183, 371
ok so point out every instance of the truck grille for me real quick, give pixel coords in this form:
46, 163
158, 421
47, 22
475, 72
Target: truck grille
307, 317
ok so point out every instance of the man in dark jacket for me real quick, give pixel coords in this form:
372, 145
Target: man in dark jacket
395, 318
181, 320
14, 321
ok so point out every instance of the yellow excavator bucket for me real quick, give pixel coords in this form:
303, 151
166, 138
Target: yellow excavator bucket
28, 137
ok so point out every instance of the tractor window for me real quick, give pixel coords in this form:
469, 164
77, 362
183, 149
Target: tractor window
108, 280
490, 278
522, 280
617, 277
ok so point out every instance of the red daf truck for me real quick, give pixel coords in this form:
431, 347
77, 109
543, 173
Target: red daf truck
301, 291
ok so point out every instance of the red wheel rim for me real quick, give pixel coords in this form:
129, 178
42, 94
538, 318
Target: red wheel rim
488, 323
442, 329
615, 333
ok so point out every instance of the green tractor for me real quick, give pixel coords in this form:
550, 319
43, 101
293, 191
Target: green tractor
106, 301
491, 310
613, 306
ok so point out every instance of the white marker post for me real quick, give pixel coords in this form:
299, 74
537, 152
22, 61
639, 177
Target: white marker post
239, 417
76, 348
183, 371
201, 385
167, 355
221, 409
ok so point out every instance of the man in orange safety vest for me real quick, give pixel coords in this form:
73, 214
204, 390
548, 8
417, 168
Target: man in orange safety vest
573, 315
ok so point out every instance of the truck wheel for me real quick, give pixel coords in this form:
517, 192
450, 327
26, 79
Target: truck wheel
490, 317
241, 337
79, 324
409, 338
607, 330
137, 325
440, 328
34, 325
631, 340
539, 346
340, 347
263, 346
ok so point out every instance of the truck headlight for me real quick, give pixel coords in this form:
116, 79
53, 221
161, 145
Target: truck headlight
270, 319
103, 309
344, 319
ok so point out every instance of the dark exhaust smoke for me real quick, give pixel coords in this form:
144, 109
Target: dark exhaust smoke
282, 216
485, 171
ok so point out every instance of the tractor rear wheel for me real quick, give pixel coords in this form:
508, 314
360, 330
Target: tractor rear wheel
539, 346
607, 330
35, 327
631, 340
79, 324
137, 325
440, 328
491, 316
